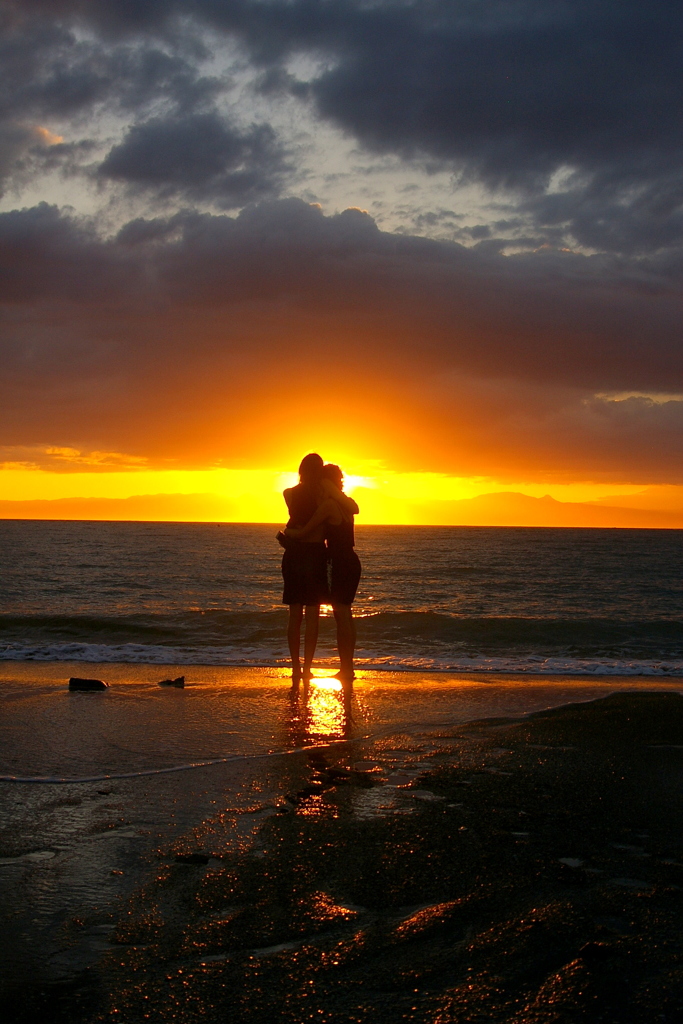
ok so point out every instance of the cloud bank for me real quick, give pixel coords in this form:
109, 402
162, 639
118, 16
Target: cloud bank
197, 318
192, 298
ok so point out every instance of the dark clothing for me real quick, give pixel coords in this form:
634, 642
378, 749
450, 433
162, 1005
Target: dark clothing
304, 564
302, 505
340, 538
345, 562
304, 570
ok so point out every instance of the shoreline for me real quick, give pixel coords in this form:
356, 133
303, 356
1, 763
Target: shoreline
147, 672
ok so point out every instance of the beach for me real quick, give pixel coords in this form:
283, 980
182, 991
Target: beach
397, 862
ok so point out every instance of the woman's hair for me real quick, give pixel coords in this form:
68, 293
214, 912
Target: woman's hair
333, 473
311, 468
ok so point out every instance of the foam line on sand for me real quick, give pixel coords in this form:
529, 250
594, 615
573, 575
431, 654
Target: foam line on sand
57, 780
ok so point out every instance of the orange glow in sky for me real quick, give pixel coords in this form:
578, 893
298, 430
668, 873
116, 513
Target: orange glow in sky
480, 337
255, 495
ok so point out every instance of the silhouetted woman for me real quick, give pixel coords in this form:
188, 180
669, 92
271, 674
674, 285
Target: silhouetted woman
335, 514
304, 566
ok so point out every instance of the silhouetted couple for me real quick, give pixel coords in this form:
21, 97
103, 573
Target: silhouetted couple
320, 530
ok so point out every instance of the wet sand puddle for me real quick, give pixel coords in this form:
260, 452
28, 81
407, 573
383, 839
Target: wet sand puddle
512, 895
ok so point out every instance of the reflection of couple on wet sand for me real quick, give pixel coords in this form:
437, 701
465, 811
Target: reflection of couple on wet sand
319, 530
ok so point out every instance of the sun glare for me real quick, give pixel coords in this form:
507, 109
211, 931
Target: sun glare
351, 482
326, 682
111, 485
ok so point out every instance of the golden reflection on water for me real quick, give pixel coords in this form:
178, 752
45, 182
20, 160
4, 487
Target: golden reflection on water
319, 711
323, 908
325, 709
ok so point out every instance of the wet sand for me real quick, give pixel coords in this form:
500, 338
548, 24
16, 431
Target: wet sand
525, 870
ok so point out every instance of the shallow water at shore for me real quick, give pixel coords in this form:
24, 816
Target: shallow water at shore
100, 880
71, 849
138, 726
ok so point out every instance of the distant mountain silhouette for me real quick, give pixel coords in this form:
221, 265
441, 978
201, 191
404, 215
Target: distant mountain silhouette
505, 508
139, 508
510, 508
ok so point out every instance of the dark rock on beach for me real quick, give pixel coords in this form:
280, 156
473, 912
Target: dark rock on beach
547, 891
75, 683
179, 682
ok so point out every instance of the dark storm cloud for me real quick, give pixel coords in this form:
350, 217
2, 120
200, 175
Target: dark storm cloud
48, 70
506, 93
199, 156
176, 313
596, 321
16, 143
46, 256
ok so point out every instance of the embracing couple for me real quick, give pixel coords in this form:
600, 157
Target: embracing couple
319, 530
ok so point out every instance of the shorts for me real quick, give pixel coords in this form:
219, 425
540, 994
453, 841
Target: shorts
304, 570
345, 578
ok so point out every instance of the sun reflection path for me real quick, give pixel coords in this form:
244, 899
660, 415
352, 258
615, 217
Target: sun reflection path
320, 711
326, 716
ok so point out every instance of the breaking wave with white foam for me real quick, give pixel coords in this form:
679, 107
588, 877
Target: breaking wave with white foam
408, 641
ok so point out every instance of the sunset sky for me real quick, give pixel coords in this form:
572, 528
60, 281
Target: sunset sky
438, 241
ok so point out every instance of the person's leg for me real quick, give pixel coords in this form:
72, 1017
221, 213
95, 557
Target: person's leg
310, 637
346, 639
296, 614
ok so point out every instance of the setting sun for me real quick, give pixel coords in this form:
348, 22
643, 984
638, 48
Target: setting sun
105, 491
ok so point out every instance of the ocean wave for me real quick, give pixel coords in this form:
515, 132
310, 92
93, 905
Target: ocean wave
173, 628
408, 640
508, 664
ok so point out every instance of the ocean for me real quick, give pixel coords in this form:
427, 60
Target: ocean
478, 599
98, 790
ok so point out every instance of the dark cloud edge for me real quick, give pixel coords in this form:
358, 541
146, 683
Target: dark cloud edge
599, 322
